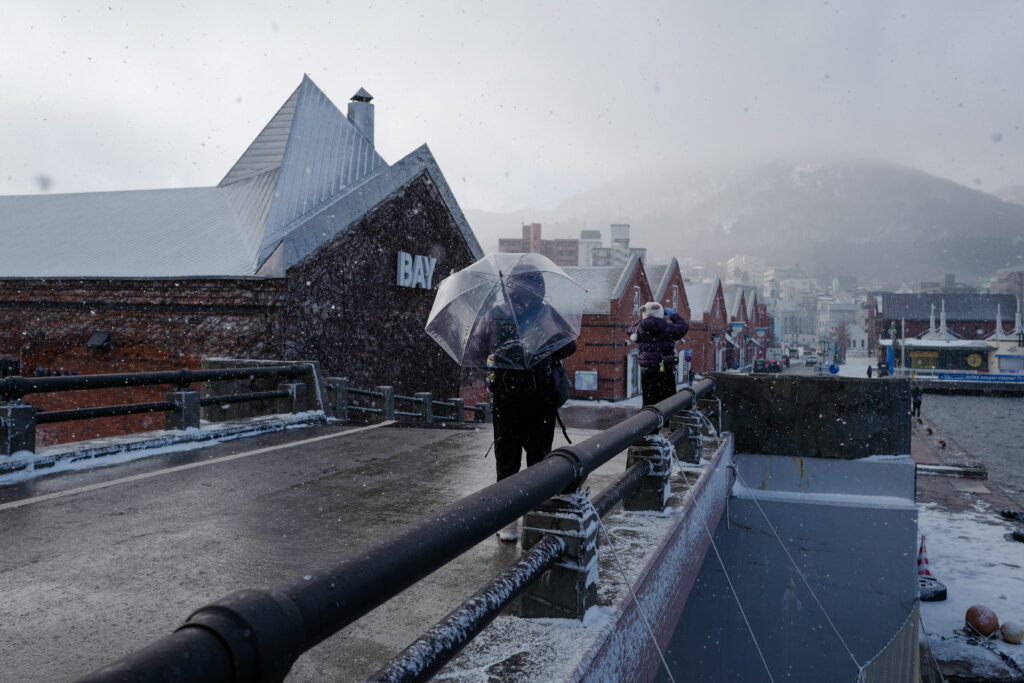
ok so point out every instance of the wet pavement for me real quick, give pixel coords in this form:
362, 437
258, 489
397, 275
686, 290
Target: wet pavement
99, 563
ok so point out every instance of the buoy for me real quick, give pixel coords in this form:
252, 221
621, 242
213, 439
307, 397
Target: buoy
982, 620
1012, 631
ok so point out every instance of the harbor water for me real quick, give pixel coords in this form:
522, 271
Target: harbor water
991, 428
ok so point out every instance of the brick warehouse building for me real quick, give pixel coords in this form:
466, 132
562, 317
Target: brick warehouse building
312, 247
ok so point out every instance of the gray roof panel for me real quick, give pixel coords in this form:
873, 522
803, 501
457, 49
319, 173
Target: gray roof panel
325, 155
267, 150
142, 233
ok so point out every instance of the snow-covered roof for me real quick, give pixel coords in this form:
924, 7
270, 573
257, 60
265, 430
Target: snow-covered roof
599, 282
658, 277
958, 306
604, 284
701, 296
308, 175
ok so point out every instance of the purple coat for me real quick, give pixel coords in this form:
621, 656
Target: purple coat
657, 338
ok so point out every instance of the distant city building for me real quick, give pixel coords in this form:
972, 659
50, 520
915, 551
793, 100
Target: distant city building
564, 252
961, 316
844, 283
1009, 281
746, 270
619, 253
773, 276
589, 240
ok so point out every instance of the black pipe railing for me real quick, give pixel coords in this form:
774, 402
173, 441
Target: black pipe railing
50, 416
259, 634
444, 640
12, 388
225, 399
431, 651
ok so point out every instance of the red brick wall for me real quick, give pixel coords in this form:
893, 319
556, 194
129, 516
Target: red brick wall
603, 343
154, 325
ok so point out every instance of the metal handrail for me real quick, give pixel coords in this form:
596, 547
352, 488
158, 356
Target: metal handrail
259, 634
16, 387
51, 416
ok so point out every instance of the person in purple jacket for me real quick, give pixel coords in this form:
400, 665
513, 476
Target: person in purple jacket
657, 337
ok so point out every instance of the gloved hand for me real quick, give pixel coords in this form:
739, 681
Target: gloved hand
670, 311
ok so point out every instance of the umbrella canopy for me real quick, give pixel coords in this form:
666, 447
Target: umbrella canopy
511, 309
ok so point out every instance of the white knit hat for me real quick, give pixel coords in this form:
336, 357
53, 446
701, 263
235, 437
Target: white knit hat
652, 309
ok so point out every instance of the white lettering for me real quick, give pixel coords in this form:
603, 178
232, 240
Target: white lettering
418, 273
415, 271
431, 262
404, 278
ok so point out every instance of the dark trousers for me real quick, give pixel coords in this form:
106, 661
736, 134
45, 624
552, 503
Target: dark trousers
915, 407
657, 385
519, 427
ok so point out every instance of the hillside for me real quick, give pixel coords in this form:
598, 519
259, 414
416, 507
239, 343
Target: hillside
869, 219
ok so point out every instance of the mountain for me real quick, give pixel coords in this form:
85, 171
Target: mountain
872, 220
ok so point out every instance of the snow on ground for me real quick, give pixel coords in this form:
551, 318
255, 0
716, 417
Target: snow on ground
968, 552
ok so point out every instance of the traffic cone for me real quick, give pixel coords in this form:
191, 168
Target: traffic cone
922, 560
929, 589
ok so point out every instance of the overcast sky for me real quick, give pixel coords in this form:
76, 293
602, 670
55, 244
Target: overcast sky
523, 103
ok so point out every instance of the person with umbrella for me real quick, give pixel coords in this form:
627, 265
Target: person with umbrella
523, 324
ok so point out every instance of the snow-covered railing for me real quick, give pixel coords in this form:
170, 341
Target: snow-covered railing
383, 404
255, 635
18, 419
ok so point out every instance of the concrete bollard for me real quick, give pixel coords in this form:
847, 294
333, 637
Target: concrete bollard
385, 403
568, 589
17, 427
653, 491
426, 406
296, 397
187, 414
340, 399
460, 409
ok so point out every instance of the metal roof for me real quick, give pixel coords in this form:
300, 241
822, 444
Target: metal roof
958, 306
143, 233
307, 176
599, 281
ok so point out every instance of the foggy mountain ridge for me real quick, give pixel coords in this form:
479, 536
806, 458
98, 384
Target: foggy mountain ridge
869, 219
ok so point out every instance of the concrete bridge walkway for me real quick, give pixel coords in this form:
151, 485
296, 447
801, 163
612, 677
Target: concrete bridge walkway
98, 563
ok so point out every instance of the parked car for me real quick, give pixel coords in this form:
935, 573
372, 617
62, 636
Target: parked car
760, 365
810, 359
774, 366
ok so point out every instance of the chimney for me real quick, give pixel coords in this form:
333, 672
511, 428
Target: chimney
360, 113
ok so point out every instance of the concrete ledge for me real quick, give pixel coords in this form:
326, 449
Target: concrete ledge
661, 555
63, 457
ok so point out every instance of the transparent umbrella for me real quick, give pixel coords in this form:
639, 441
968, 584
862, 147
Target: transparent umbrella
511, 309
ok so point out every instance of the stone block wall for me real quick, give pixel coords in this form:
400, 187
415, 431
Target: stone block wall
823, 417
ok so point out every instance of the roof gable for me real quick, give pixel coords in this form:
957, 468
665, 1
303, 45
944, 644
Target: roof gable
325, 154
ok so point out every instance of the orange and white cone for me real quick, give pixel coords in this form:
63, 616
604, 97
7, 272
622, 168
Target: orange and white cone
922, 560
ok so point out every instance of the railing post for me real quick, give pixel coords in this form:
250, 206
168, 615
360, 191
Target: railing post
17, 427
386, 403
296, 396
568, 589
340, 387
689, 450
653, 490
426, 407
460, 409
485, 412
187, 414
